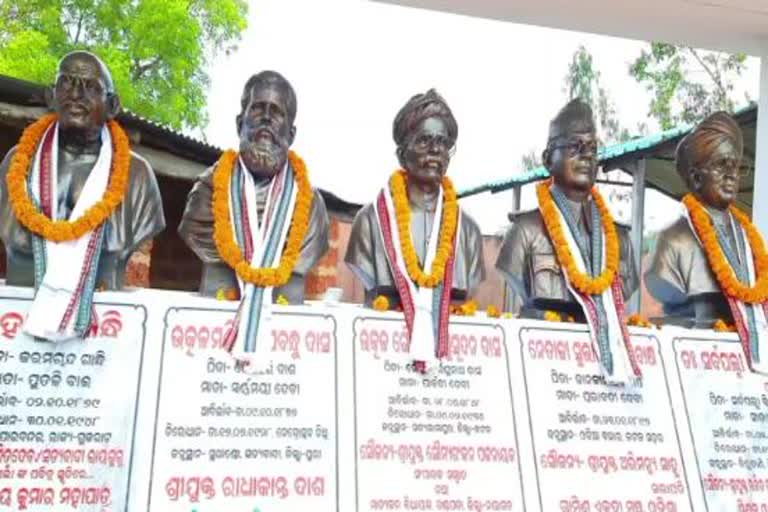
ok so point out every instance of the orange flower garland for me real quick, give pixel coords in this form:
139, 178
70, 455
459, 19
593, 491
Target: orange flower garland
228, 249
61, 230
580, 280
447, 230
727, 279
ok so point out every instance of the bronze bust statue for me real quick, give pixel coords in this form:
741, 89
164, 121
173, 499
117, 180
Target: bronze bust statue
84, 99
266, 130
425, 133
527, 258
708, 161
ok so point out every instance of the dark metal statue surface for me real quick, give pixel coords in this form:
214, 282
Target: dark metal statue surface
425, 132
266, 130
527, 258
708, 160
84, 98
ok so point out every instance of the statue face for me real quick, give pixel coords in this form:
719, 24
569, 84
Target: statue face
717, 182
266, 130
80, 95
572, 161
427, 152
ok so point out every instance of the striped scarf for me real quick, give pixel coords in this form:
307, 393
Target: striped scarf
751, 319
63, 304
605, 312
262, 244
426, 310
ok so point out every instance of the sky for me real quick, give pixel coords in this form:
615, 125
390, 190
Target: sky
354, 63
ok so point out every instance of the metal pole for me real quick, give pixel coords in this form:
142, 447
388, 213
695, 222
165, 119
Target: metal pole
516, 198
759, 208
638, 212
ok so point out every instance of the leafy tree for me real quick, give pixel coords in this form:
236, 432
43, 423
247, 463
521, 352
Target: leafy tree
157, 50
687, 84
531, 160
583, 81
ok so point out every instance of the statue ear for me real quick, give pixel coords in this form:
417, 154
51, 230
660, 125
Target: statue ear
400, 152
113, 105
292, 135
545, 156
239, 122
695, 180
50, 97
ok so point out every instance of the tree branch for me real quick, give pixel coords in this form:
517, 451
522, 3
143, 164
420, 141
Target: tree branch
715, 78
79, 27
140, 69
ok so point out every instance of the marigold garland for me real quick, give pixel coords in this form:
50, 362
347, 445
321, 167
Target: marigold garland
580, 280
223, 235
719, 264
447, 230
381, 303
37, 222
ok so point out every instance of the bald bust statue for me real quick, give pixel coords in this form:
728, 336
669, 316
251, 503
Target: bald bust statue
84, 99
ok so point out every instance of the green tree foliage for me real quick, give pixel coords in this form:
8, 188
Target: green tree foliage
157, 50
687, 84
583, 81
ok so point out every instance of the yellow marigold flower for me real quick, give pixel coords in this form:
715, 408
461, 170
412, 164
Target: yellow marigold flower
552, 316
222, 226
720, 266
580, 280
36, 221
508, 314
469, 308
282, 300
493, 311
723, 326
447, 230
381, 303
639, 321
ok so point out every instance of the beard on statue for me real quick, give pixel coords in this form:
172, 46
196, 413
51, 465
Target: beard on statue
263, 150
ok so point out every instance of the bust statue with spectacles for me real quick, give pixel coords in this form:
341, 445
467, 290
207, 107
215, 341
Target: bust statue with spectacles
425, 133
84, 100
527, 258
709, 161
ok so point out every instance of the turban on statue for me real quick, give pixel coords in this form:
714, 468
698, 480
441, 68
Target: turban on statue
418, 108
575, 117
697, 148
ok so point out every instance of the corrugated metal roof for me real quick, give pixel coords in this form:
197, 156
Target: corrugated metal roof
623, 150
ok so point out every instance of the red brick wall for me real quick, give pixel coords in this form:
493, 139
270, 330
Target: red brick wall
174, 266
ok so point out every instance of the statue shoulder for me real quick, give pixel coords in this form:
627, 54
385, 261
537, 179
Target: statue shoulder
143, 176
526, 219
469, 224
6, 162
677, 234
363, 216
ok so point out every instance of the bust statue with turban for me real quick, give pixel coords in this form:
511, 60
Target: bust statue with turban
425, 132
708, 161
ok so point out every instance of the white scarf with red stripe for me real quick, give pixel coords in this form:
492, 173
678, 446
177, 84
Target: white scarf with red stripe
70, 267
426, 310
624, 367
